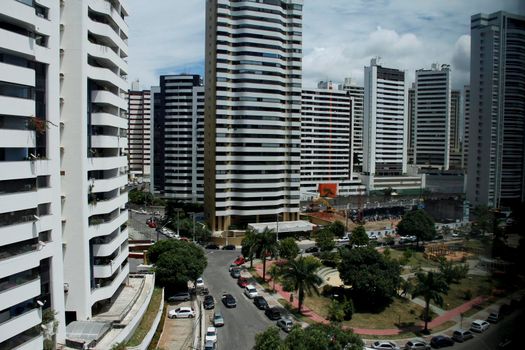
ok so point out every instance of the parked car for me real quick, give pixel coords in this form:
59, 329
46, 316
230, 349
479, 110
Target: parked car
285, 324
441, 341
250, 291
229, 300
385, 344
208, 302
231, 267
242, 282
182, 312
240, 260
199, 283
228, 247
211, 334
460, 335
212, 246
344, 239
235, 273
313, 249
273, 313
218, 320
494, 317
479, 326
181, 296
417, 344
210, 345
260, 303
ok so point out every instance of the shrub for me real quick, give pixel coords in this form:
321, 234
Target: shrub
348, 308
467, 295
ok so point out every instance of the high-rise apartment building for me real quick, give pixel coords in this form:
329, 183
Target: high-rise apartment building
94, 165
455, 154
31, 267
253, 111
411, 123
385, 121
466, 125
325, 139
357, 95
139, 133
179, 138
497, 114
432, 117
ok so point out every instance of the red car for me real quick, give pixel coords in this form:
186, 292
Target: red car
242, 282
240, 260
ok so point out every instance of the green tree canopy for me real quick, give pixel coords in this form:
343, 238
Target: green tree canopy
359, 236
248, 245
325, 240
266, 245
483, 219
323, 337
337, 228
373, 278
430, 286
301, 273
269, 340
452, 272
288, 248
417, 223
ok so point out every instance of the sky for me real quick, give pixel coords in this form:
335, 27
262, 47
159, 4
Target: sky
339, 37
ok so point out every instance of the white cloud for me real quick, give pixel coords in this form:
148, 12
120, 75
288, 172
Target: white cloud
461, 54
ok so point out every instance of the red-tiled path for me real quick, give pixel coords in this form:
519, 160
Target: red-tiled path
447, 316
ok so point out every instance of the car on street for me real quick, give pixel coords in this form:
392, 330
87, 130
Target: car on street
240, 260
460, 335
285, 324
228, 247
199, 283
208, 303
385, 345
212, 246
417, 344
250, 291
313, 249
211, 334
260, 303
218, 320
210, 345
229, 300
273, 313
479, 326
182, 312
242, 282
441, 341
235, 272
181, 296
494, 317
344, 239
231, 267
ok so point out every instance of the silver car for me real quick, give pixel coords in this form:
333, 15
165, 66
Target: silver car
416, 344
285, 324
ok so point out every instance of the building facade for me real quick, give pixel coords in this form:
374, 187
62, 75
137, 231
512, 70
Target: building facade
325, 139
179, 138
357, 95
432, 118
456, 142
497, 114
253, 112
139, 133
466, 125
411, 123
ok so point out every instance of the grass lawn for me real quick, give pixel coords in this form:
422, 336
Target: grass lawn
147, 319
417, 259
478, 285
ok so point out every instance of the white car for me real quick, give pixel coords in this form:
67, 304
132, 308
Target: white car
479, 326
344, 239
250, 291
211, 334
385, 344
199, 283
417, 344
182, 312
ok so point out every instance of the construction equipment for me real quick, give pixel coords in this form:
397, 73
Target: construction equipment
321, 201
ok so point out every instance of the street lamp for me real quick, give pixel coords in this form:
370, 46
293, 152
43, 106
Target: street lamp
160, 229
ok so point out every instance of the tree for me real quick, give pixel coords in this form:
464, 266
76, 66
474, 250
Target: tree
176, 263
430, 286
452, 273
325, 240
269, 340
274, 271
288, 248
374, 279
483, 219
323, 337
266, 245
301, 273
337, 228
248, 245
419, 224
387, 192
359, 236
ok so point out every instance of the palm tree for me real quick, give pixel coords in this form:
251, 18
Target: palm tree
301, 273
274, 271
249, 245
266, 244
430, 286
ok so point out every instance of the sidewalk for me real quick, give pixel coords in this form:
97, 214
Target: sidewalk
441, 319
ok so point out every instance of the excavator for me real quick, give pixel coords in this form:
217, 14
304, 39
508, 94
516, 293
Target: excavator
315, 205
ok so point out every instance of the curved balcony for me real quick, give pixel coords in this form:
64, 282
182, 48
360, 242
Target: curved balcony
103, 6
104, 228
106, 206
106, 74
108, 119
107, 291
17, 293
17, 138
110, 184
105, 31
16, 106
17, 42
104, 52
105, 249
106, 97
105, 163
106, 141
19, 324
105, 271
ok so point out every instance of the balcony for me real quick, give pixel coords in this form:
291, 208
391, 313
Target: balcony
107, 34
107, 119
100, 227
109, 98
105, 52
19, 324
105, 185
107, 289
104, 206
17, 291
107, 141
17, 42
104, 6
105, 163
106, 74
16, 106
104, 246
106, 270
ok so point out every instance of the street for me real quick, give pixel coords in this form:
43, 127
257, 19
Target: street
240, 323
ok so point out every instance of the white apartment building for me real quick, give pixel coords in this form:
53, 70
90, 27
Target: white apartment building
466, 125
357, 94
411, 124
93, 165
253, 114
139, 133
385, 121
496, 158
456, 142
179, 138
432, 117
31, 267
325, 139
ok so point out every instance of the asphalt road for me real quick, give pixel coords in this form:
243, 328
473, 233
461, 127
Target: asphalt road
242, 323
